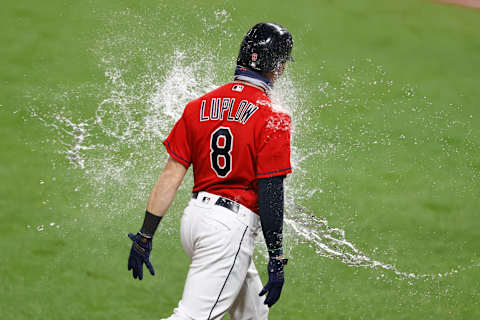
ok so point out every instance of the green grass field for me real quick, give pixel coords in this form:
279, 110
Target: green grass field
387, 127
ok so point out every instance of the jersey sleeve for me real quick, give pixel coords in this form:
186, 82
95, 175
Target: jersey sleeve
273, 155
177, 143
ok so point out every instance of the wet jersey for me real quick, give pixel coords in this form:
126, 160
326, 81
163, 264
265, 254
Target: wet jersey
232, 137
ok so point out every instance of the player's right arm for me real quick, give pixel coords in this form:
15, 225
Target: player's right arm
270, 205
273, 164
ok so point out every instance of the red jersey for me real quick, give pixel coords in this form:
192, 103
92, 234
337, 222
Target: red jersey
233, 137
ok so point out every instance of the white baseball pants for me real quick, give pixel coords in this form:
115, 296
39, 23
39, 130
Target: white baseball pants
222, 277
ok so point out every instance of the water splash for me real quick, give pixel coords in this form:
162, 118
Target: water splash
119, 147
72, 136
331, 242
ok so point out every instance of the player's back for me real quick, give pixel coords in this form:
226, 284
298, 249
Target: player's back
224, 134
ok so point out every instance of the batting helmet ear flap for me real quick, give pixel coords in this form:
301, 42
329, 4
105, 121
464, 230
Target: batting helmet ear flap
265, 47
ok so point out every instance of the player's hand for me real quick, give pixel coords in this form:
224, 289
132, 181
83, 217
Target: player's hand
275, 281
140, 254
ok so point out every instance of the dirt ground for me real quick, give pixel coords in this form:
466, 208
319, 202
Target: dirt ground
465, 3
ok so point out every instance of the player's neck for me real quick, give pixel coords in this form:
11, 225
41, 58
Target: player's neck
250, 84
252, 77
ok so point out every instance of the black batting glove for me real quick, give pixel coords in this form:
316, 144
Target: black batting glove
140, 254
275, 280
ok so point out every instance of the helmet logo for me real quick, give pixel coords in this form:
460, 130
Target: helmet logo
254, 57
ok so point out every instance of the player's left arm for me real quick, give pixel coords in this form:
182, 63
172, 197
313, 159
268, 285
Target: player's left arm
166, 187
159, 201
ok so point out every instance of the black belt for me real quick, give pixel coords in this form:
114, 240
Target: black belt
222, 202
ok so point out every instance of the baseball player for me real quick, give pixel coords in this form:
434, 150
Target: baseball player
239, 148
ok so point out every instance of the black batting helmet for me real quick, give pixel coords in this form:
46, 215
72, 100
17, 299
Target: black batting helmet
265, 47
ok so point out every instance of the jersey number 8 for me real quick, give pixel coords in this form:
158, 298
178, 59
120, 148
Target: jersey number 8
221, 145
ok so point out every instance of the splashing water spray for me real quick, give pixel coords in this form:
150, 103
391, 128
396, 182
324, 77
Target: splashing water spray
120, 144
